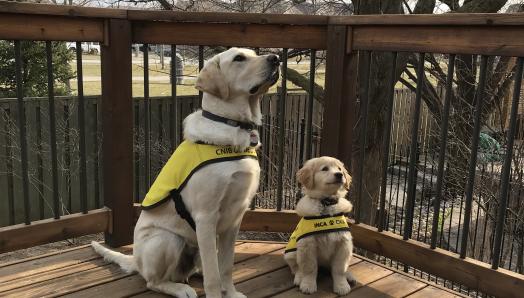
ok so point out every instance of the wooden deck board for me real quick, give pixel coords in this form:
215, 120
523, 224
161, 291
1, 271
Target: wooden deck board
260, 271
394, 285
433, 292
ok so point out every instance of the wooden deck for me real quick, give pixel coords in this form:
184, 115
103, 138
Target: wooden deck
260, 271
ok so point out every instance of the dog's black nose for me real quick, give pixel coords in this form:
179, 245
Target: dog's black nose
273, 59
338, 176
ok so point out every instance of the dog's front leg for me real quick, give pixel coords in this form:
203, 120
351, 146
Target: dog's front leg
207, 245
226, 255
307, 266
339, 265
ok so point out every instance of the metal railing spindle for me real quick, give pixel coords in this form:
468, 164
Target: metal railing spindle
442, 149
501, 216
479, 99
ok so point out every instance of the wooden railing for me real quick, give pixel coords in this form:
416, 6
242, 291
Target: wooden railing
341, 37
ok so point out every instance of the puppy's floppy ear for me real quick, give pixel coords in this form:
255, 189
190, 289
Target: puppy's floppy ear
212, 81
305, 176
348, 178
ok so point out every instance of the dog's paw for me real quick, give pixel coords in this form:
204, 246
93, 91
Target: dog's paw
184, 291
297, 280
342, 288
351, 279
308, 287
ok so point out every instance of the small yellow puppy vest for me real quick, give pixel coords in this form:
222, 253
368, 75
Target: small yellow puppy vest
312, 225
187, 159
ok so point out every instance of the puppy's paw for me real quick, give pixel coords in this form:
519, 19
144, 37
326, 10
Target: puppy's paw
308, 287
297, 280
341, 288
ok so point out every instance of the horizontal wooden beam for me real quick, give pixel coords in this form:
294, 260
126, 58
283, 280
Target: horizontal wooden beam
36, 27
495, 40
61, 10
487, 19
465, 19
269, 220
52, 230
469, 272
251, 35
226, 17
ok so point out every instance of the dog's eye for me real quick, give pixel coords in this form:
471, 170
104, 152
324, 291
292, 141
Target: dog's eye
325, 169
339, 169
239, 58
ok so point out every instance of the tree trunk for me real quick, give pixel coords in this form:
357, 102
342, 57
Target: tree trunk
381, 67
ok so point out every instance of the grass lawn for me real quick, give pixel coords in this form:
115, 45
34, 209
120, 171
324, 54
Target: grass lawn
159, 82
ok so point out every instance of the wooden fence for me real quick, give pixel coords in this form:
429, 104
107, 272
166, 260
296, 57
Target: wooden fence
165, 130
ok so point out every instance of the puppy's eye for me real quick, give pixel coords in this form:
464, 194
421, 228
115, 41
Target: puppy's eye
339, 169
325, 169
239, 58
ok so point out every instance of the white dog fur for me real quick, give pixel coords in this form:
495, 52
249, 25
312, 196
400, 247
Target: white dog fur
166, 249
331, 250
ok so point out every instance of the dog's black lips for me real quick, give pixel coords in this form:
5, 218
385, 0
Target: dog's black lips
254, 89
271, 79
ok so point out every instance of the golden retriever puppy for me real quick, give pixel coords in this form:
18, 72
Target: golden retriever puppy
322, 237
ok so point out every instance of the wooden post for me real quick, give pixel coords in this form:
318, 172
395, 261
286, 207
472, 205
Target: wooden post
340, 101
117, 125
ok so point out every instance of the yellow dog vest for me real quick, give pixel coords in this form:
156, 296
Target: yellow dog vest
312, 225
187, 159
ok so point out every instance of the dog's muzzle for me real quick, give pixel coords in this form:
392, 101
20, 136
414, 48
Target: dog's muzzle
273, 75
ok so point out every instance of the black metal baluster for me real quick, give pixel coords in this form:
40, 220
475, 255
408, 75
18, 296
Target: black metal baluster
96, 155
412, 174
147, 118
173, 111
507, 165
473, 160
364, 110
52, 130
281, 130
40, 162
8, 126
22, 131
482, 172
82, 128
310, 104
442, 149
136, 153
387, 139
200, 66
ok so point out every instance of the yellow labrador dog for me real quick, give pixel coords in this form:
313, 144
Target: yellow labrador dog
200, 214
322, 237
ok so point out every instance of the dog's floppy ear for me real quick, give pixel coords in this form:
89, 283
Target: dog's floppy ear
348, 178
306, 176
212, 81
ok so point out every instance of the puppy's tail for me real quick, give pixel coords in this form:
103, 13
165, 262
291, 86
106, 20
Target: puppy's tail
126, 262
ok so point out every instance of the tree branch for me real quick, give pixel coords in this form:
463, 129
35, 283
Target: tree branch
303, 82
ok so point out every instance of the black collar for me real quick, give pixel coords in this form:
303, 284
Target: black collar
329, 201
244, 125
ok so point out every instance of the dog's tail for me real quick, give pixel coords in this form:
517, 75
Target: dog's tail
126, 262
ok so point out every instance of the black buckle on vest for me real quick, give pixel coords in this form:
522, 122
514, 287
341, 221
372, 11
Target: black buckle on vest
230, 122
